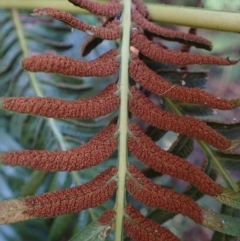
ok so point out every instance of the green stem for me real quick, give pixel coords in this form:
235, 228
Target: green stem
195, 17
123, 120
192, 17
219, 167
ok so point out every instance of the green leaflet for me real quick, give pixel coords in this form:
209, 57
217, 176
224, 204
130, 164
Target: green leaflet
229, 130
93, 232
229, 198
191, 79
223, 237
194, 110
162, 216
9, 142
221, 223
217, 236
59, 227
230, 160
35, 180
155, 133
182, 147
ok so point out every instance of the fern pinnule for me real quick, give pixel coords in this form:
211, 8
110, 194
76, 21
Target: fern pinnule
111, 31
110, 9
164, 162
140, 228
173, 57
147, 111
106, 64
91, 194
97, 150
156, 84
154, 195
99, 105
169, 34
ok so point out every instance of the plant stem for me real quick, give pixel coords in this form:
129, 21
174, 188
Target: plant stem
123, 120
192, 17
195, 17
231, 183
63, 5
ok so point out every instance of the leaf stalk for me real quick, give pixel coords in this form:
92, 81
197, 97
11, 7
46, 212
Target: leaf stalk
177, 15
123, 120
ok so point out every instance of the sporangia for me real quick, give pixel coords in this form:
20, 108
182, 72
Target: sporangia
140, 144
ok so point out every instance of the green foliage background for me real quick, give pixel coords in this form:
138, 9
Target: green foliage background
26, 132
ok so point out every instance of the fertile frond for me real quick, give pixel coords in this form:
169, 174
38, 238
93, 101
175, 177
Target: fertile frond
97, 150
58, 108
91, 194
150, 92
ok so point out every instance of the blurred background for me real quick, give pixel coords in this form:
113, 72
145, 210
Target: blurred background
17, 132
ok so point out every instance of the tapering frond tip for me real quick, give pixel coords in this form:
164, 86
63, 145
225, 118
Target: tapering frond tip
221, 223
139, 228
229, 198
236, 102
173, 57
60, 202
106, 64
111, 31
147, 111
98, 149
13, 211
99, 105
169, 34
158, 85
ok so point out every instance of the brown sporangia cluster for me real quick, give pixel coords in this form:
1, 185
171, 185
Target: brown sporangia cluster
97, 150
156, 84
155, 196
105, 65
74, 199
147, 111
109, 9
100, 147
102, 104
110, 31
139, 228
162, 161
172, 57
